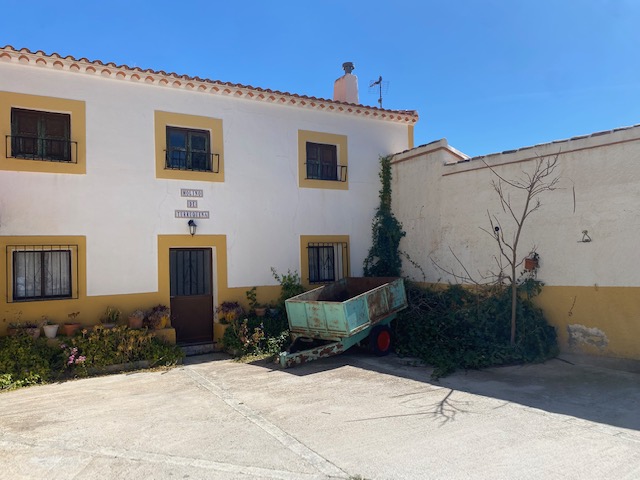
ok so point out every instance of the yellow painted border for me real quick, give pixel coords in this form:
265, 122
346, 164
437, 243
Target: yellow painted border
213, 125
410, 136
340, 141
75, 108
304, 257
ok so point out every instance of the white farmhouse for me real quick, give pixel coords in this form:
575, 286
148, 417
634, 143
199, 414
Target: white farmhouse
126, 187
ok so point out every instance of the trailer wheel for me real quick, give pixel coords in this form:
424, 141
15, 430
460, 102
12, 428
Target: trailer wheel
380, 340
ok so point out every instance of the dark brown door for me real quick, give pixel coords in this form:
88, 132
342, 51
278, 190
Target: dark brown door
191, 294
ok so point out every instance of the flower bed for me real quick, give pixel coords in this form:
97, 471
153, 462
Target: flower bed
27, 361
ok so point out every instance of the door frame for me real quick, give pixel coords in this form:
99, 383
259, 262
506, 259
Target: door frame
218, 245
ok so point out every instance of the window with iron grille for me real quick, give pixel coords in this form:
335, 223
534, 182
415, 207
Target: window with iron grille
328, 262
189, 149
42, 272
41, 135
322, 162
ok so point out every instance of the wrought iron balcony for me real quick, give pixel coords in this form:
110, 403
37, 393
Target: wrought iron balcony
41, 148
326, 171
180, 159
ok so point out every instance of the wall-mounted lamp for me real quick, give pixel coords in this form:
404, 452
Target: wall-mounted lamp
192, 227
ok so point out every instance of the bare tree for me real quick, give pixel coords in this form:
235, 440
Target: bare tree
530, 185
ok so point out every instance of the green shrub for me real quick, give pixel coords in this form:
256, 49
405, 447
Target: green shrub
290, 286
100, 347
27, 361
459, 327
257, 335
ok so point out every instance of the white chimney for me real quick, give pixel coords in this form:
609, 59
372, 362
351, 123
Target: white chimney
345, 89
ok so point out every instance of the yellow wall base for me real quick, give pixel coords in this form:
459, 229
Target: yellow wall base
603, 321
167, 335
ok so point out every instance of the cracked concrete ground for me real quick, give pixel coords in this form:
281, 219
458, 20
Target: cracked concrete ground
337, 418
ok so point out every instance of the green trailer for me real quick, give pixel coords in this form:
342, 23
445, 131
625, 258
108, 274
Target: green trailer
330, 319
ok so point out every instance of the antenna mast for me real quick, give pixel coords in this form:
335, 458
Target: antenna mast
382, 87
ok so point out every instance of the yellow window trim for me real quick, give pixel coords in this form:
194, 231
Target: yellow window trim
339, 141
77, 245
75, 108
213, 125
305, 240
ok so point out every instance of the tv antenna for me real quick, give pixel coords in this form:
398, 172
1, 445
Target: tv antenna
382, 87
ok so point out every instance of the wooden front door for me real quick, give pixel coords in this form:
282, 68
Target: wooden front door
191, 294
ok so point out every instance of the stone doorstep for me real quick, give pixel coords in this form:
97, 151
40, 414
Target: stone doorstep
199, 349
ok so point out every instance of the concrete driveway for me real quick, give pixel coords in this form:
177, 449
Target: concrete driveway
352, 416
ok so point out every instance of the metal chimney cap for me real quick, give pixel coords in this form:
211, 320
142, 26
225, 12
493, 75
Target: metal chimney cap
348, 67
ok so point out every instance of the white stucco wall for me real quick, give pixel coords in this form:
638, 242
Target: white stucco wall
444, 206
121, 207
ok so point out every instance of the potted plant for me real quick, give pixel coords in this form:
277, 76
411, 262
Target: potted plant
229, 311
531, 262
50, 328
70, 327
14, 328
135, 319
158, 317
110, 318
26, 328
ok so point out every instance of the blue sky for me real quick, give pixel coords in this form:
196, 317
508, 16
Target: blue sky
489, 75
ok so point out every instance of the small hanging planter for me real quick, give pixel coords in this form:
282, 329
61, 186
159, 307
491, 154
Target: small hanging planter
531, 262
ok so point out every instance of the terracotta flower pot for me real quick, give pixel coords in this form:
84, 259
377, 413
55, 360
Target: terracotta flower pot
135, 322
70, 329
260, 311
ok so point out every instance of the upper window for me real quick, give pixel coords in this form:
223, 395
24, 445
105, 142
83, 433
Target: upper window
42, 134
322, 160
42, 272
189, 149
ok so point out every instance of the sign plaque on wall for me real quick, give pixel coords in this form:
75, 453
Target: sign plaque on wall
191, 192
192, 214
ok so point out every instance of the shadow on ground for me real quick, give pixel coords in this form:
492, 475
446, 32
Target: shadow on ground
588, 392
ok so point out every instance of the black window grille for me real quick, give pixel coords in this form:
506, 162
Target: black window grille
189, 149
328, 262
40, 135
42, 272
322, 163
190, 271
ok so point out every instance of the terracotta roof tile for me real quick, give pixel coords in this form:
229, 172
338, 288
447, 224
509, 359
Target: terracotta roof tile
7, 53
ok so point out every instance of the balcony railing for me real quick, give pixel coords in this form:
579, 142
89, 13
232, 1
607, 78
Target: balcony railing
179, 159
39, 148
326, 171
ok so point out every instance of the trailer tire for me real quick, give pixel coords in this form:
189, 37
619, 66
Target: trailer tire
380, 340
